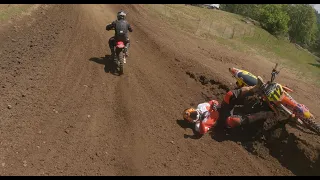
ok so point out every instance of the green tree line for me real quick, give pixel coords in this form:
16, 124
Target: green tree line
299, 22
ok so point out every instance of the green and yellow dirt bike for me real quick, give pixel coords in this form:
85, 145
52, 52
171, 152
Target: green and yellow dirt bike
278, 98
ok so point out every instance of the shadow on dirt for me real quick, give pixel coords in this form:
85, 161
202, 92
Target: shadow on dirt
185, 125
276, 141
107, 62
261, 138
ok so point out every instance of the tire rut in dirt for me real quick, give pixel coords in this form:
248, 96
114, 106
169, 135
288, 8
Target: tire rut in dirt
212, 89
125, 128
48, 127
26, 69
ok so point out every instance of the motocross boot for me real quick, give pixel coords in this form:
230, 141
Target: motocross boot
234, 121
126, 49
112, 52
237, 120
113, 59
114, 56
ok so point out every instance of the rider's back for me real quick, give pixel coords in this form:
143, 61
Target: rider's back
121, 28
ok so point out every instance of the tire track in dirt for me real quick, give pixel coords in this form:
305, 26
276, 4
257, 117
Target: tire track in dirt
63, 137
31, 47
129, 144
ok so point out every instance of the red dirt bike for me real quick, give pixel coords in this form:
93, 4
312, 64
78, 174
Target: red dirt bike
278, 98
120, 56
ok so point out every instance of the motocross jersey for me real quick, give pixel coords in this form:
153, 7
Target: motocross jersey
121, 28
208, 117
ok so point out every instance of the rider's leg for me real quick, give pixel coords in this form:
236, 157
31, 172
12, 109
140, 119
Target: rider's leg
127, 46
111, 45
237, 96
232, 98
236, 120
227, 105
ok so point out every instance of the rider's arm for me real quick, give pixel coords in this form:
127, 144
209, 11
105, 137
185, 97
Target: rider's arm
110, 26
200, 128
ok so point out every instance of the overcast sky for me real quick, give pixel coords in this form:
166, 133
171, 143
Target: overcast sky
317, 7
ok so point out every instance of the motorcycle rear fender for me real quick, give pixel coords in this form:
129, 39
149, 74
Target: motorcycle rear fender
120, 44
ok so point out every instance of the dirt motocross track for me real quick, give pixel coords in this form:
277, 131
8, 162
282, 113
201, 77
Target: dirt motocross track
63, 113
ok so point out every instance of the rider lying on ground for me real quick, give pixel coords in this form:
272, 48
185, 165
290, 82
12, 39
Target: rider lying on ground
208, 114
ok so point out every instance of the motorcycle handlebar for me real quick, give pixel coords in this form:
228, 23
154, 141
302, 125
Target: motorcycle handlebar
274, 72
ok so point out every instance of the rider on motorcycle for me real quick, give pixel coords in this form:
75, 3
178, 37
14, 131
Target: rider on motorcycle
121, 27
208, 114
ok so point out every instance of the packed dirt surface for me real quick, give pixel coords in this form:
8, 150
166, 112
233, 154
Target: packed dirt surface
63, 113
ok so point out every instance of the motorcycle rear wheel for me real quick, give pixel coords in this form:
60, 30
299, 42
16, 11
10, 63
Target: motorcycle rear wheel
120, 58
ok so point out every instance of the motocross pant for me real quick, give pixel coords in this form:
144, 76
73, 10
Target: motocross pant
232, 98
112, 44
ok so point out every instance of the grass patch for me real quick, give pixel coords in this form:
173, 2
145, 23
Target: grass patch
228, 29
10, 10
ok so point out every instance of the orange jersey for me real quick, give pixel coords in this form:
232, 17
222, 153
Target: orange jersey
209, 117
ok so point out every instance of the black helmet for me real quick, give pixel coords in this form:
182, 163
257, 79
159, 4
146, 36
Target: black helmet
121, 15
